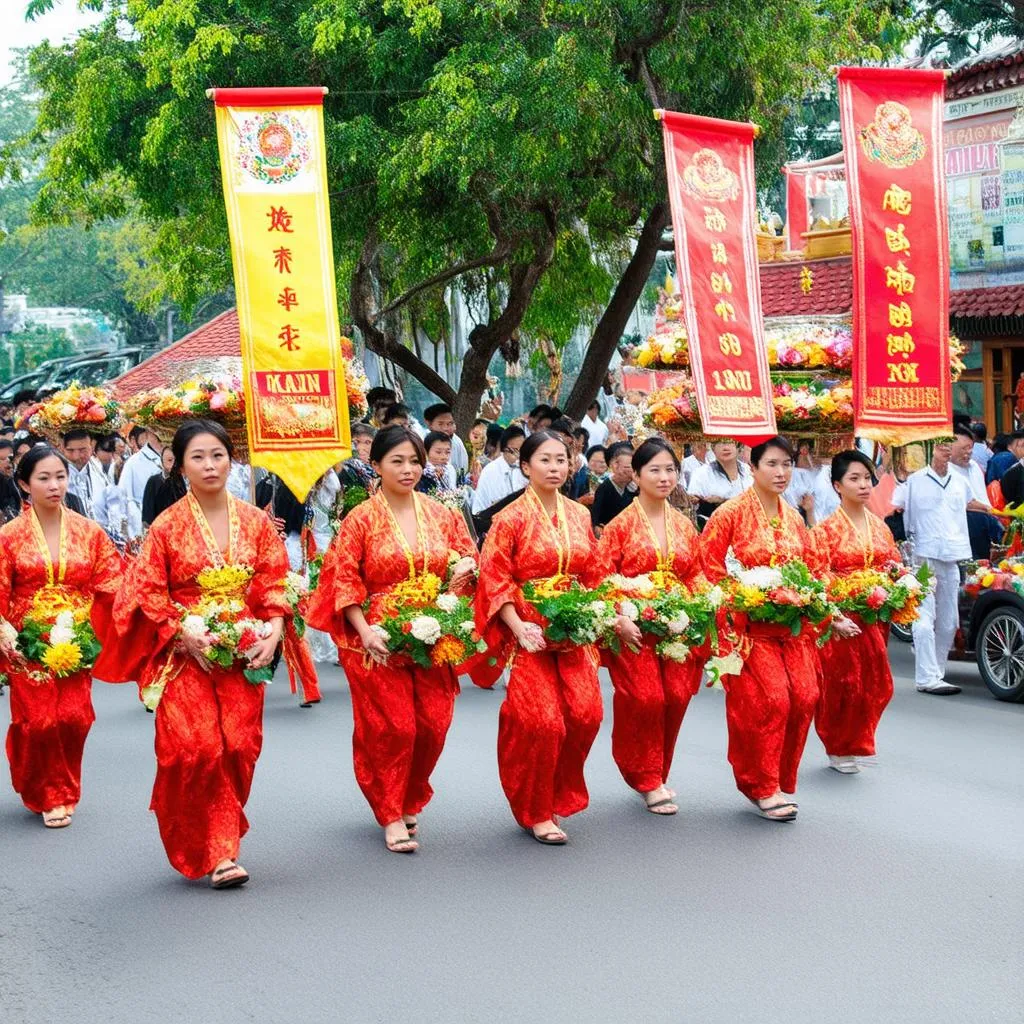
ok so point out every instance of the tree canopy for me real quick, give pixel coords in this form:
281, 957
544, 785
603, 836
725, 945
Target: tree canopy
503, 146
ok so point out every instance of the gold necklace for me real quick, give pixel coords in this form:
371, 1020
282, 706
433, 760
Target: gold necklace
559, 529
44, 548
867, 545
773, 525
421, 532
667, 559
217, 557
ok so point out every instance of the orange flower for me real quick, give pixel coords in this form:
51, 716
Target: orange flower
907, 614
447, 651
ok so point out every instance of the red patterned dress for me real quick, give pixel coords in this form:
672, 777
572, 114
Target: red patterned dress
856, 681
51, 716
770, 704
209, 724
552, 708
402, 711
651, 693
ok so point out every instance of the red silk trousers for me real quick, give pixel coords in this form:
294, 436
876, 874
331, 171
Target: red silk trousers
547, 725
856, 686
768, 708
402, 715
651, 698
209, 732
49, 725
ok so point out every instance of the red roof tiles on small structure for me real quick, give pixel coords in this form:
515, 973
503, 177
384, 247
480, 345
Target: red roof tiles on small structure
988, 72
1003, 300
831, 288
217, 338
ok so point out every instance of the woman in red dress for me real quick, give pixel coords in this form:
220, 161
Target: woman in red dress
651, 693
397, 546
208, 548
770, 703
52, 560
856, 678
552, 708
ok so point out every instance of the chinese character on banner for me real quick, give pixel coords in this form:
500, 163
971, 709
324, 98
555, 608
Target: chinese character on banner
892, 140
711, 187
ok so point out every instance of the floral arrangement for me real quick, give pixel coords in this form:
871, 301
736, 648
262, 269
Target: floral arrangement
1007, 574
314, 567
56, 633
75, 408
228, 634
674, 405
439, 633
667, 346
218, 398
571, 613
892, 594
810, 345
1013, 520
454, 500
296, 590
785, 595
356, 386
351, 496
681, 620
957, 349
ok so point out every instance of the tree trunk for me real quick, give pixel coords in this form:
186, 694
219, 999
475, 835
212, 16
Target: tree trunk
613, 321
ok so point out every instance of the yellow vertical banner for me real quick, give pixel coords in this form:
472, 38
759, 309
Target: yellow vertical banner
274, 170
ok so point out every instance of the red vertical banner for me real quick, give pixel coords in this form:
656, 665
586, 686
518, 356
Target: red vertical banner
796, 207
892, 138
711, 188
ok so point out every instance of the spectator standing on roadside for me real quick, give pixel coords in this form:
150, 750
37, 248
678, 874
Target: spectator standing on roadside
980, 451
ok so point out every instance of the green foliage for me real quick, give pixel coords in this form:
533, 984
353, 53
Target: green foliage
573, 616
27, 348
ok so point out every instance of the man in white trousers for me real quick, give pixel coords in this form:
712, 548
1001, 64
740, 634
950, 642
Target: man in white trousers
934, 502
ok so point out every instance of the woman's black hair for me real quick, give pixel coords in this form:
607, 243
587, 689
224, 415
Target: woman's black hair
435, 437
189, 431
389, 438
594, 449
534, 441
844, 460
649, 449
362, 430
32, 458
757, 452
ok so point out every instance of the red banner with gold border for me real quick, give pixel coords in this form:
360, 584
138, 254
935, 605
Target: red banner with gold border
892, 138
711, 188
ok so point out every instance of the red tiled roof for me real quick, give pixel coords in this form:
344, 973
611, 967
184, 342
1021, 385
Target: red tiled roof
988, 72
1003, 300
831, 287
218, 337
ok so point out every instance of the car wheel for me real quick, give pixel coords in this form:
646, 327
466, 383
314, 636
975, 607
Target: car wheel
904, 634
1000, 652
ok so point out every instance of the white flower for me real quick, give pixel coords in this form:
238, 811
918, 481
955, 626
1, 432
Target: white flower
65, 620
675, 650
447, 602
715, 597
598, 608
630, 610
426, 629
61, 635
764, 577
467, 626
678, 623
638, 586
193, 625
909, 582
465, 564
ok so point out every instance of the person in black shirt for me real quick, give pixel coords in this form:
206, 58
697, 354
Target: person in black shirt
1012, 481
615, 494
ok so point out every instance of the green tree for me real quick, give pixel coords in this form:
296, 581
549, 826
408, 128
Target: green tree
957, 29
503, 147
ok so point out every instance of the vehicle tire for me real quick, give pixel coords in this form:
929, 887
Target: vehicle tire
904, 634
1000, 652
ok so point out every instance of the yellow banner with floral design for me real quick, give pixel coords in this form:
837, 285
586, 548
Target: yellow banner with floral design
274, 169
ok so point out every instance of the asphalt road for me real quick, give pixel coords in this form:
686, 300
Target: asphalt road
897, 896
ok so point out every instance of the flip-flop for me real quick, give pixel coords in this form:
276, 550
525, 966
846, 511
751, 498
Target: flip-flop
667, 802
550, 838
57, 821
232, 881
762, 812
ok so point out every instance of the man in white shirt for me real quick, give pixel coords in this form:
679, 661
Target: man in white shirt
137, 470
86, 479
440, 418
501, 476
700, 455
597, 430
979, 509
980, 451
934, 502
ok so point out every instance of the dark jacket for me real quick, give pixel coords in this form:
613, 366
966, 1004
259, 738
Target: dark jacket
1012, 483
608, 503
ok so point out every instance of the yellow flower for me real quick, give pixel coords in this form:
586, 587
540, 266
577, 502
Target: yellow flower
552, 586
447, 651
988, 579
644, 356
418, 590
63, 659
51, 600
228, 579
750, 596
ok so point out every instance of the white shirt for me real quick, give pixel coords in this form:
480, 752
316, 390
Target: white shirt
975, 480
497, 480
709, 481
597, 431
238, 481
691, 464
981, 454
818, 484
935, 514
137, 470
89, 486
459, 457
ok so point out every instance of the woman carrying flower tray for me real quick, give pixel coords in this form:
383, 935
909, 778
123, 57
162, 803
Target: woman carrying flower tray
58, 576
651, 550
872, 588
401, 631
777, 600
197, 622
537, 561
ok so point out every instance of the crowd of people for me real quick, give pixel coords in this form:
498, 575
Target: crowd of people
130, 535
